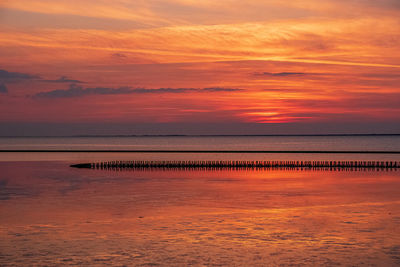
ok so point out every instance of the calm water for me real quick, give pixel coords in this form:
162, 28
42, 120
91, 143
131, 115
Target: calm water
51, 214
372, 143
242, 143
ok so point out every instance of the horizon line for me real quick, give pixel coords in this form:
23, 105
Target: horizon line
196, 135
205, 151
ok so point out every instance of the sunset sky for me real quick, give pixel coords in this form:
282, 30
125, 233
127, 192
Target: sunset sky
311, 62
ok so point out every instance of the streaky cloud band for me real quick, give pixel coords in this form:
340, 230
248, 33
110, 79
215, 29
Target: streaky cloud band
78, 91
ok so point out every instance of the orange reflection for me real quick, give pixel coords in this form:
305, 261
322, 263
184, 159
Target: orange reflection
171, 216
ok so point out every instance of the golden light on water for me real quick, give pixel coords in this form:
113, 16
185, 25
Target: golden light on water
200, 217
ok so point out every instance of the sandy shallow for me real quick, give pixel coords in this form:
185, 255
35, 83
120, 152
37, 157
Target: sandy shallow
55, 215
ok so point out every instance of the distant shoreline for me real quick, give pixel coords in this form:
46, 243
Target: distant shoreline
211, 135
203, 151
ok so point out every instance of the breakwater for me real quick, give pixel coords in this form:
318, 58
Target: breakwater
224, 164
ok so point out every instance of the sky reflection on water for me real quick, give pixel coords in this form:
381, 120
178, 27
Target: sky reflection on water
53, 214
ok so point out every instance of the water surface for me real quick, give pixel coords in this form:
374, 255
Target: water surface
302, 143
52, 214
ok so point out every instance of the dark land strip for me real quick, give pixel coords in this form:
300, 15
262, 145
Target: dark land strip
203, 151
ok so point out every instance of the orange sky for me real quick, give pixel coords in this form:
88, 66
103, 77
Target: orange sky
199, 61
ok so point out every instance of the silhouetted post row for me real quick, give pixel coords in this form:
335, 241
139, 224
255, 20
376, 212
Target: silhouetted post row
232, 164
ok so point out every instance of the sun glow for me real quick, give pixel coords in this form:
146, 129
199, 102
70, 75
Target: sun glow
274, 61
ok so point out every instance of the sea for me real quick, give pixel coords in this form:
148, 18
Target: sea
55, 215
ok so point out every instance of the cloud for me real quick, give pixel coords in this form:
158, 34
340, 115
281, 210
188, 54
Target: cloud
280, 74
219, 89
78, 91
63, 79
34, 20
290, 90
3, 89
381, 4
6, 76
119, 55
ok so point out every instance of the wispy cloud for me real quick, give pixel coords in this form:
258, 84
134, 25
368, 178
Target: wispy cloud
119, 55
78, 91
280, 74
63, 79
368, 42
219, 89
31, 19
12, 77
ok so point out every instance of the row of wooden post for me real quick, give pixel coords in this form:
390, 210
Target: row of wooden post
241, 164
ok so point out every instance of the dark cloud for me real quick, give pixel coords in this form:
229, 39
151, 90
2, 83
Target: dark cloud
280, 74
3, 89
77, 91
63, 79
119, 55
219, 89
291, 90
6, 76
10, 77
